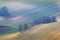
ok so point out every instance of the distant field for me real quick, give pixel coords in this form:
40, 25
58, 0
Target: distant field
6, 33
9, 36
10, 32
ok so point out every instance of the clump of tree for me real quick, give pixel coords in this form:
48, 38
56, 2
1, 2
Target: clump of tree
44, 19
40, 20
24, 27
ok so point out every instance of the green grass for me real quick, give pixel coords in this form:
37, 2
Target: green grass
6, 33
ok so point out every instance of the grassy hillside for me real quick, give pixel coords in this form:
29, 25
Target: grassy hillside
9, 36
42, 32
4, 30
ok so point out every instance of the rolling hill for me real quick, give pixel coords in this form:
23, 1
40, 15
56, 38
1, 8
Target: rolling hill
4, 30
49, 31
9, 36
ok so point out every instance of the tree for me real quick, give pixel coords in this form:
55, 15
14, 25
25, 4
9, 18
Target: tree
4, 12
26, 26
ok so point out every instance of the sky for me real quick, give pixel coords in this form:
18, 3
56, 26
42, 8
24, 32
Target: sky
27, 10
31, 0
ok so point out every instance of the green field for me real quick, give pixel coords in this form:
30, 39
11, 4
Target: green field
9, 36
